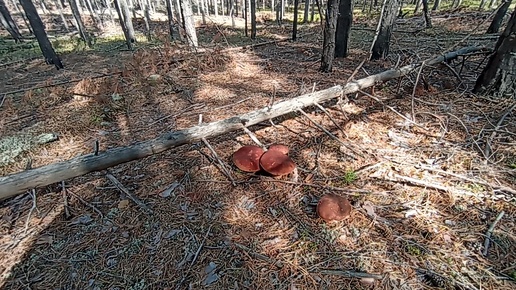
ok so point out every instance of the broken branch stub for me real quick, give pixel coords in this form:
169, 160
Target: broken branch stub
17, 183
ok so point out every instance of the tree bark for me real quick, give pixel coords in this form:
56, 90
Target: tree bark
189, 23
294, 25
306, 11
330, 27
41, 35
80, 24
494, 27
253, 19
426, 13
17, 183
344, 23
380, 48
8, 23
436, 5
499, 77
124, 17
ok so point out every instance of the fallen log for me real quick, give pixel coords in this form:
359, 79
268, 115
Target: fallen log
17, 183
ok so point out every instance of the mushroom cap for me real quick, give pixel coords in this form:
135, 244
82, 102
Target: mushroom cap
333, 207
277, 163
247, 158
279, 147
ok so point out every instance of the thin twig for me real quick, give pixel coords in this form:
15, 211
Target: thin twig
331, 118
65, 200
356, 71
490, 232
276, 263
496, 187
392, 109
413, 117
487, 150
200, 246
95, 209
329, 133
223, 167
34, 206
253, 137
132, 197
350, 274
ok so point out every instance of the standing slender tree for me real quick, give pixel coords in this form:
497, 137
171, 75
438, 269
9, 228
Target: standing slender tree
126, 22
8, 22
41, 35
189, 23
253, 19
380, 47
494, 27
59, 6
330, 27
79, 23
344, 23
426, 13
498, 77
294, 26
306, 11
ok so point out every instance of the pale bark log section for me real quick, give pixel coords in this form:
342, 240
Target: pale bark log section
17, 183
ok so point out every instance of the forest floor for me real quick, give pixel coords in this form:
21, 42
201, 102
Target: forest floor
424, 196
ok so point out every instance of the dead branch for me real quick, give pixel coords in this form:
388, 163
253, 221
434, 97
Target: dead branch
128, 193
490, 232
351, 274
14, 184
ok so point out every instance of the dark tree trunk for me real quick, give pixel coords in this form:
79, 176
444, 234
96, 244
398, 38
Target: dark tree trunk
436, 5
428, 20
344, 23
498, 18
294, 26
96, 19
499, 77
246, 8
307, 10
39, 31
253, 19
124, 16
418, 5
189, 23
80, 25
171, 23
380, 48
329, 36
8, 22
147, 19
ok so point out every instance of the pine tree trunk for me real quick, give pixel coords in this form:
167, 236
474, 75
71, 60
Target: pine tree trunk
344, 23
124, 17
499, 77
8, 23
41, 35
380, 48
428, 20
253, 19
294, 26
329, 36
498, 18
306, 11
60, 9
436, 5
189, 23
79, 24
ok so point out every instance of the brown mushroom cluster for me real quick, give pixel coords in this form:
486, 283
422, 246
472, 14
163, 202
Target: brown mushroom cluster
274, 161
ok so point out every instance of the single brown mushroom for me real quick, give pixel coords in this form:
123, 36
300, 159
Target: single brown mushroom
247, 158
333, 207
277, 163
280, 148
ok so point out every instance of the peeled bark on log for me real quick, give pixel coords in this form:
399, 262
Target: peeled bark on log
17, 183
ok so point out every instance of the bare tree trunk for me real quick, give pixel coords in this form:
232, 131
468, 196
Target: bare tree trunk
499, 77
294, 26
246, 8
380, 48
253, 19
330, 28
79, 24
436, 5
498, 18
306, 11
344, 23
8, 22
147, 19
126, 22
60, 9
41, 35
189, 23
426, 13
